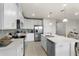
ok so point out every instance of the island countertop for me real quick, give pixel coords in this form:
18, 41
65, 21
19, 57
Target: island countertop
12, 49
63, 43
14, 43
60, 39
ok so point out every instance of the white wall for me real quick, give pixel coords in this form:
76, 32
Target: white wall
29, 23
49, 26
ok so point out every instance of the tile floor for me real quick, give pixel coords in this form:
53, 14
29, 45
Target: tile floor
34, 49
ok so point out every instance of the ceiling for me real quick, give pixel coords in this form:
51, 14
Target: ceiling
51, 10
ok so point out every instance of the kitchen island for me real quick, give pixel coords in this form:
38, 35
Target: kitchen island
15, 48
58, 45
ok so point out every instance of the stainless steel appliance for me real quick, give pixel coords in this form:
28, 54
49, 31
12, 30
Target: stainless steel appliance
38, 30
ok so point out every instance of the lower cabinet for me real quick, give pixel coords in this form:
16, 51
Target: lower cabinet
44, 43
30, 37
16, 48
20, 49
50, 48
57, 49
62, 49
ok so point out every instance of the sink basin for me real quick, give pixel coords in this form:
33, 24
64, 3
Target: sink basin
49, 36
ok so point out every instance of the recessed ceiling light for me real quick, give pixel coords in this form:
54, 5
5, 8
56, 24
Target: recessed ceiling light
50, 24
76, 13
33, 14
64, 5
48, 15
65, 20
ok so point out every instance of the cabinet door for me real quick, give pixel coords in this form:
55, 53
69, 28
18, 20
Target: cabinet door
1, 15
20, 48
20, 51
50, 48
62, 49
44, 42
10, 16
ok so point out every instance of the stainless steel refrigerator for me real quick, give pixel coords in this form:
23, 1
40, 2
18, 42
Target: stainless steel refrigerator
38, 30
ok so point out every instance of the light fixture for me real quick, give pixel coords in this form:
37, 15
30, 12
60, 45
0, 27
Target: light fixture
50, 24
64, 5
48, 15
76, 13
65, 20
33, 14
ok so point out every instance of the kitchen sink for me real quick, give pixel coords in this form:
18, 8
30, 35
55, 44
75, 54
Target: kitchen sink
49, 36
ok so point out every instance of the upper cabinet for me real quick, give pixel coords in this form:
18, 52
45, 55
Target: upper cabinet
29, 23
1, 14
12, 12
10, 16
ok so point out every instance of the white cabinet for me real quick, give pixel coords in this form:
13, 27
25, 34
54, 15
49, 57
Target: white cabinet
29, 23
44, 43
14, 49
20, 51
1, 14
55, 48
20, 48
62, 49
58, 49
30, 37
11, 14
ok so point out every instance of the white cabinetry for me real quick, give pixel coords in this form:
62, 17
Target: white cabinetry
13, 49
29, 23
59, 45
58, 49
20, 49
11, 14
1, 14
44, 43
30, 37
55, 46
62, 49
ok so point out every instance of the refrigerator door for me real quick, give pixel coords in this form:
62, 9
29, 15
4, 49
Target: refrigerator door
38, 32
